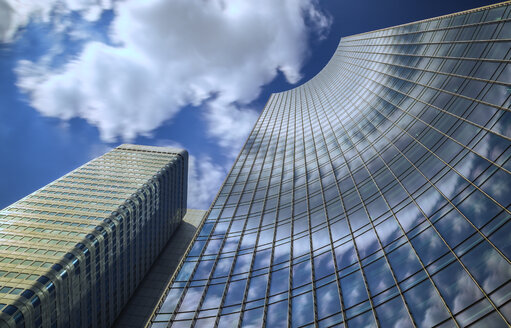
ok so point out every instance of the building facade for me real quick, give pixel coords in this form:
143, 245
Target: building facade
376, 194
142, 303
73, 252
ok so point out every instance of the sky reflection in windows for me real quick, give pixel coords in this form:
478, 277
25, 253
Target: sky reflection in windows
376, 193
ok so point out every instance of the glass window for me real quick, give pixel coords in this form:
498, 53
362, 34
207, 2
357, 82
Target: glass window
323, 265
425, 305
257, 287
358, 219
262, 259
223, 266
171, 300
388, 231
454, 228
281, 253
478, 208
404, 262
345, 255
301, 246
474, 312
279, 281
502, 239
456, 287
493, 320
302, 310
339, 229
242, 263
353, 289
203, 270
429, 246
252, 318
431, 201
393, 314
277, 314
235, 292
328, 300
213, 296
320, 238
489, 268
378, 276
409, 217
377, 207
191, 299
230, 320
367, 243
365, 320
497, 186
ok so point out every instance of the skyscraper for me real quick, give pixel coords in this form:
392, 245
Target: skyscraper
376, 194
73, 252
141, 304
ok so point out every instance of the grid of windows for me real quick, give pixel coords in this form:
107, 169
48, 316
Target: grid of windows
73, 252
376, 194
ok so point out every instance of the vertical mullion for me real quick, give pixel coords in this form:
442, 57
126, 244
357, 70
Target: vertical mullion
448, 200
403, 230
311, 258
459, 174
291, 241
274, 113
356, 248
187, 285
275, 223
368, 215
337, 280
262, 215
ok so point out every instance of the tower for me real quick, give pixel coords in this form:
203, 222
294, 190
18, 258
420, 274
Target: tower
73, 252
375, 194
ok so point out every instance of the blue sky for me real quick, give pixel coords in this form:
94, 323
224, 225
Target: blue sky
79, 77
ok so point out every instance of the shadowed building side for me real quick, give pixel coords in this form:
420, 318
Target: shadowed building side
141, 305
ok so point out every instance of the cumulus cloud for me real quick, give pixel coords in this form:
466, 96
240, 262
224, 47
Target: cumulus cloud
169, 54
229, 124
15, 14
204, 180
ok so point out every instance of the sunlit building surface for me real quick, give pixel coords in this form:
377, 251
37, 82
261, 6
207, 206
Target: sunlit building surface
376, 194
73, 252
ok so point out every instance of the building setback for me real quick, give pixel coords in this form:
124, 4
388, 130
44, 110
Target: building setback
376, 194
73, 252
141, 304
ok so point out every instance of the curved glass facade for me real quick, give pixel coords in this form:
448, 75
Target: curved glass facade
376, 194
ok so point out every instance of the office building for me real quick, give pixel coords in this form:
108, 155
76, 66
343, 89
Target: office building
376, 194
73, 252
142, 303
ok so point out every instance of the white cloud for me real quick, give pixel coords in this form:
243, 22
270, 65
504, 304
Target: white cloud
230, 125
204, 181
169, 54
15, 14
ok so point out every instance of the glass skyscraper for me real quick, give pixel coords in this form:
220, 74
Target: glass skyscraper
73, 252
376, 194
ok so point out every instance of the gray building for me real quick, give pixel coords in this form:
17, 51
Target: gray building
376, 194
142, 304
73, 252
